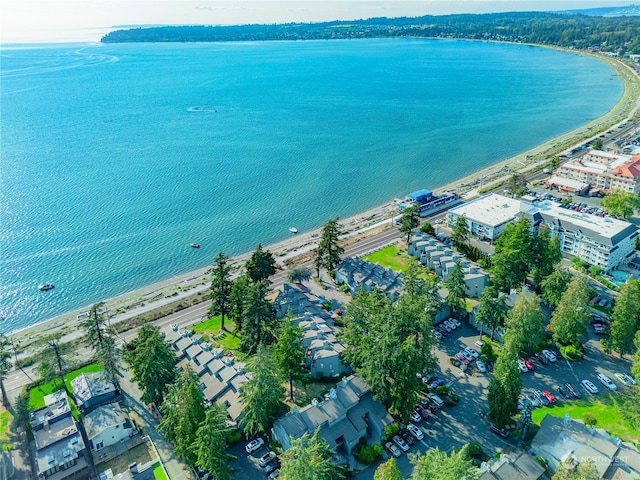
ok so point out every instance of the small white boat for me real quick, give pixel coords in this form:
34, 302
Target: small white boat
195, 245
46, 286
293, 230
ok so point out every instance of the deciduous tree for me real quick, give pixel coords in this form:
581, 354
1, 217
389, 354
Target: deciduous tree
298, 274
625, 318
288, 353
183, 413
409, 221
211, 444
460, 231
621, 204
524, 326
586, 470
387, 471
546, 255
428, 229
310, 458
262, 394
221, 285
152, 362
437, 465
554, 285
492, 310
570, 319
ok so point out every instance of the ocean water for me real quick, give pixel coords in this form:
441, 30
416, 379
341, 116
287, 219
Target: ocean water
114, 158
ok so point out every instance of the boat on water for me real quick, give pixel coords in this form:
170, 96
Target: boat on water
195, 245
46, 286
293, 230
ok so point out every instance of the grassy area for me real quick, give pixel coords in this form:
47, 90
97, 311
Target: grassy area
5, 421
158, 473
602, 408
394, 256
139, 454
211, 328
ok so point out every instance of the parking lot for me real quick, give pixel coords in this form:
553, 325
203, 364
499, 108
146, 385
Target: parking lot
452, 427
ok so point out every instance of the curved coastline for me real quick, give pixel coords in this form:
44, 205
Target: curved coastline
194, 282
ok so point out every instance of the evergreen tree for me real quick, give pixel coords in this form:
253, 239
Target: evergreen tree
318, 260
492, 310
152, 363
261, 266
437, 465
310, 458
546, 255
428, 229
460, 231
505, 386
211, 444
524, 326
238, 300
21, 412
513, 256
183, 412
221, 286
586, 470
259, 323
409, 221
101, 339
55, 361
625, 318
517, 185
554, 285
525, 422
570, 319
262, 394
329, 249
288, 353
457, 298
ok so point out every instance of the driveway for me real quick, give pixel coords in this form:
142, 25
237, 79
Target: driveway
246, 467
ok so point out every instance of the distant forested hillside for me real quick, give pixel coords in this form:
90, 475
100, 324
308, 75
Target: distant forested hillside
612, 34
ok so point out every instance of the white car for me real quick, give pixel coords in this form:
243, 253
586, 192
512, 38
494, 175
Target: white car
522, 366
254, 445
401, 443
606, 381
455, 322
472, 353
415, 417
479, 344
480, 365
395, 451
589, 386
266, 459
550, 356
415, 431
623, 378
630, 378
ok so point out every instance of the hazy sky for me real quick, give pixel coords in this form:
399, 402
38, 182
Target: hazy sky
87, 20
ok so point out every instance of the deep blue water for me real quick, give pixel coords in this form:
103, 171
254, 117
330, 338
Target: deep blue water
115, 157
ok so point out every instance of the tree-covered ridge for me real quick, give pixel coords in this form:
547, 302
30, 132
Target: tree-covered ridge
611, 34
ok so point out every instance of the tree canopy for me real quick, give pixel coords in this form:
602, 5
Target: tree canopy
524, 326
570, 319
261, 265
409, 221
221, 285
437, 465
288, 353
621, 204
625, 318
211, 444
309, 458
329, 250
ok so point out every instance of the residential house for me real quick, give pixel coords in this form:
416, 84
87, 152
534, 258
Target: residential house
359, 274
513, 466
442, 259
564, 439
107, 425
348, 414
91, 389
322, 349
60, 452
219, 375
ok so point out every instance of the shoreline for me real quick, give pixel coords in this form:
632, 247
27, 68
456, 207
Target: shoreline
289, 249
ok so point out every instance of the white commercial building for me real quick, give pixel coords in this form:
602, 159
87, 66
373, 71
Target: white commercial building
486, 216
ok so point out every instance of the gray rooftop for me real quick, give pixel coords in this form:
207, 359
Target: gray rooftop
102, 418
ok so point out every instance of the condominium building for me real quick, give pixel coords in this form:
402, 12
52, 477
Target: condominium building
486, 216
605, 171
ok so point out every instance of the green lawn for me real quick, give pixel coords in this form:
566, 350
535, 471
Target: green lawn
158, 473
5, 420
211, 328
394, 256
602, 408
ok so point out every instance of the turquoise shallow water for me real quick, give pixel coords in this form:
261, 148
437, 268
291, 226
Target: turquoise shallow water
115, 157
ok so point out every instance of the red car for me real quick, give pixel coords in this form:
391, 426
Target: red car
421, 411
529, 364
549, 396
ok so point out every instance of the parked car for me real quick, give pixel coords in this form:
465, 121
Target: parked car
479, 344
435, 399
522, 367
415, 431
541, 398
415, 417
421, 411
436, 383
541, 358
254, 445
573, 391
480, 365
407, 436
622, 378
274, 475
499, 431
599, 329
529, 364
631, 378
266, 459
489, 366
549, 396
607, 382
395, 451
589, 386
473, 353
401, 443
550, 356
269, 469
564, 393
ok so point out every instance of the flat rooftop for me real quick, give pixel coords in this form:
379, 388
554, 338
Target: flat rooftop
492, 209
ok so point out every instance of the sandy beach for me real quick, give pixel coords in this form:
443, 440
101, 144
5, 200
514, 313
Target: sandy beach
298, 247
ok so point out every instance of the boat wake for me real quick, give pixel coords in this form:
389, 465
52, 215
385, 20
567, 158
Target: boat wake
202, 109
